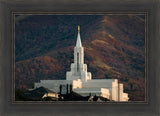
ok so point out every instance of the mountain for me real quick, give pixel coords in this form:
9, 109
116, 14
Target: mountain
114, 47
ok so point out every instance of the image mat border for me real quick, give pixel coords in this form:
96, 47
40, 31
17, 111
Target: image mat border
81, 13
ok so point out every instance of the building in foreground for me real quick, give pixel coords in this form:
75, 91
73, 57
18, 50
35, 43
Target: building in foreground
82, 82
40, 93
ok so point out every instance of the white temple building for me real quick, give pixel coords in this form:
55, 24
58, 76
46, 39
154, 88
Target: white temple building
82, 82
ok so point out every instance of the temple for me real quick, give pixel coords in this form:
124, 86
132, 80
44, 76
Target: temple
82, 82
78, 68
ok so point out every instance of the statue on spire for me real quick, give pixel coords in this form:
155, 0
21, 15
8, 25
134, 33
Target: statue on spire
78, 28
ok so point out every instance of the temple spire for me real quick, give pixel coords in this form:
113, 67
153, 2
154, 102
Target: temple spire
78, 44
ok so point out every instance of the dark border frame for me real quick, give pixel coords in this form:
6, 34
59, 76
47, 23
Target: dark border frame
96, 6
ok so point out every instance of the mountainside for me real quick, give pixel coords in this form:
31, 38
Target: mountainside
114, 47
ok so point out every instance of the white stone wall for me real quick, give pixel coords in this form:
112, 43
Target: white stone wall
120, 92
88, 91
125, 97
122, 96
105, 93
98, 83
73, 68
77, 84
79, 50
69, 76
50, 95
85, 67
114, 91
93, 91
83, 74
89, 76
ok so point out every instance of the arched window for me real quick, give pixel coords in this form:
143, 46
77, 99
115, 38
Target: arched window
77, 62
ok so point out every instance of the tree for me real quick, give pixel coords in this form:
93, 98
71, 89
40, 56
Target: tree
60, 89
70, 88
67, 89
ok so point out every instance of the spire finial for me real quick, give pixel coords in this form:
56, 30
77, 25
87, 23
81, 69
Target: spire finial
78, 28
